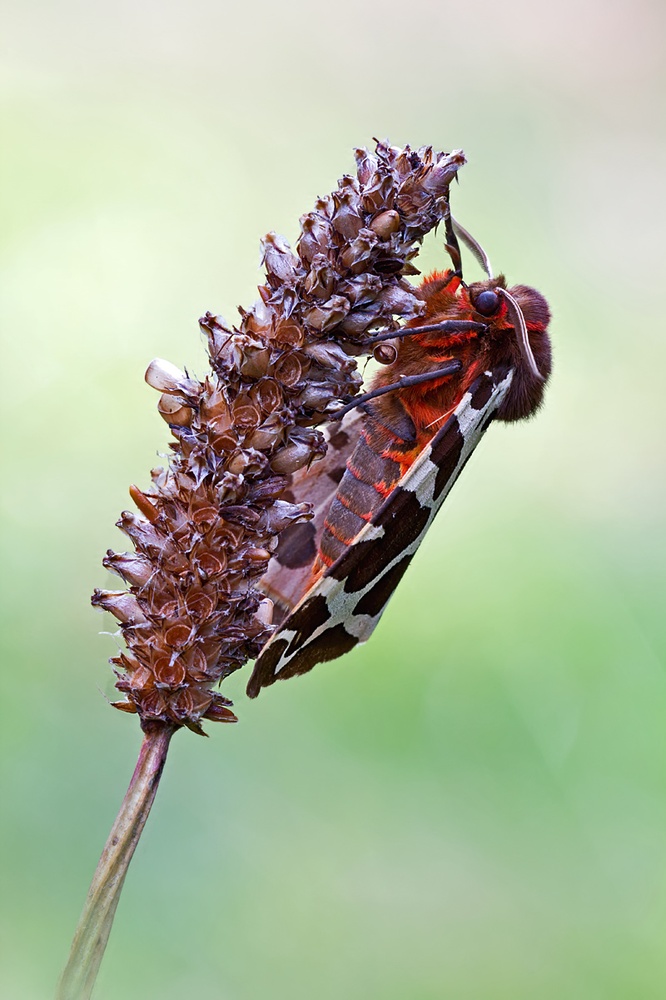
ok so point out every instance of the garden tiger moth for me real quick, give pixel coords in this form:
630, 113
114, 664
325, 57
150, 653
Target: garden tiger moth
480, 352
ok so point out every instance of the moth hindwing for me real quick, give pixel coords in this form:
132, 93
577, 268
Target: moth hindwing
344, 605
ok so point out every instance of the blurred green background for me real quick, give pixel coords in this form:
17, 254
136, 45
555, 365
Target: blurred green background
473, 806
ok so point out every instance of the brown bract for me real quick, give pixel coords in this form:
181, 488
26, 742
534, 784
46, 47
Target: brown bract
207, 526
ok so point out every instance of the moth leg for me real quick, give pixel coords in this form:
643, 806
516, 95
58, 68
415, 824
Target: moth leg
404, 382
451, 326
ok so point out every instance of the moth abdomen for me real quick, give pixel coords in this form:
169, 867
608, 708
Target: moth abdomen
368, 479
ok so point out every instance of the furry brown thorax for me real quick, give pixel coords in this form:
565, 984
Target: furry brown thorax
447, 298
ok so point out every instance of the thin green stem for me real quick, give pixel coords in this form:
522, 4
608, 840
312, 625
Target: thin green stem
92, 933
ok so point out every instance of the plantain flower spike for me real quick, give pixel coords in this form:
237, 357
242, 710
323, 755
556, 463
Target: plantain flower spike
205, 529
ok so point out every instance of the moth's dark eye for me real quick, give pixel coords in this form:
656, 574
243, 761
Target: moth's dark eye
487, 303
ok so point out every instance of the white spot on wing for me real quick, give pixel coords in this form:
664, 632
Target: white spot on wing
372, 531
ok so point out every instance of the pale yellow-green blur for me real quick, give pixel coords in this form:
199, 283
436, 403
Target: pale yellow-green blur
473, 806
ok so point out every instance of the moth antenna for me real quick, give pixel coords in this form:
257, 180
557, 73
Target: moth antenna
404, 382
520, 326
474, 248
446, 326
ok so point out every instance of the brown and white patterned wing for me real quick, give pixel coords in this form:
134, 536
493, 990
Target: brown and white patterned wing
288, 575
345, 604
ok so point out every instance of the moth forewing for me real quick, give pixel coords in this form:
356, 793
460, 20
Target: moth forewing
344, 605
289, 572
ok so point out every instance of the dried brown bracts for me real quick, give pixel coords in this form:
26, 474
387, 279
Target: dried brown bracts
207, 526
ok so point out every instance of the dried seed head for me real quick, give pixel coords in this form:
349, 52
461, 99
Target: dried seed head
255, 362
386, 224
329, 314
173, 411
162, 375
206, 530
385, 353
289, 369
294, 456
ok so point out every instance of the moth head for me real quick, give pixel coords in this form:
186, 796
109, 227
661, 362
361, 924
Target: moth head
528, 306
517, 320
524, 312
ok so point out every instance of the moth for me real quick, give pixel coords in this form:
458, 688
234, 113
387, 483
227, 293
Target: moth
479, 353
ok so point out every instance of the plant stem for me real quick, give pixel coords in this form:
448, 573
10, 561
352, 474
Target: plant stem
94, 926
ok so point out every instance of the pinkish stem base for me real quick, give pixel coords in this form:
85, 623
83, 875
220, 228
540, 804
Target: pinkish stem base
94, 926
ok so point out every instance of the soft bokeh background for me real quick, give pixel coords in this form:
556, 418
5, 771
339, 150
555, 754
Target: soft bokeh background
473, 805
